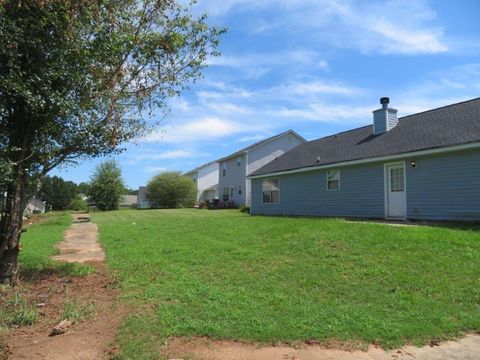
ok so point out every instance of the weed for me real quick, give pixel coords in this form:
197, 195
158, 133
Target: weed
17, 312
74, 311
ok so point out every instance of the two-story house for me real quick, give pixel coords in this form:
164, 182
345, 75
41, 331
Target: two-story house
233, 184
205, 178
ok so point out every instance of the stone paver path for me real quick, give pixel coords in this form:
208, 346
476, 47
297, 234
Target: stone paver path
80, 243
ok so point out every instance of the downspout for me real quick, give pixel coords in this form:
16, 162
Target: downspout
248, 198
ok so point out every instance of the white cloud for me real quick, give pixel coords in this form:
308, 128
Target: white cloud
261, 63
154, 169
167, 155
253, 138
323, 65
197, 129
317, 87
323, 112
439, 89
390, 27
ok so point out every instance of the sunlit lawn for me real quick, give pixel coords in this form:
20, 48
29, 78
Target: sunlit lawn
228, 275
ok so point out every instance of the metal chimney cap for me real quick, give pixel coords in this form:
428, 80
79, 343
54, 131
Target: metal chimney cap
384, 100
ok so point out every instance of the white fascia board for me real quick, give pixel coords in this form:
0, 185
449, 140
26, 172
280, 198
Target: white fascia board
374, 159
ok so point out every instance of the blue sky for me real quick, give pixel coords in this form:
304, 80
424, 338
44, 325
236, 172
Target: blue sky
315, 66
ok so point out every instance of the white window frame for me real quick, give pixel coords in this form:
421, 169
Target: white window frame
278, 197
239, 161
226, 193
334, 179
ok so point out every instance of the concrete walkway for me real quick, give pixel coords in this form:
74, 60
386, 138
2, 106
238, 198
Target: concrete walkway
467, 348
80, 242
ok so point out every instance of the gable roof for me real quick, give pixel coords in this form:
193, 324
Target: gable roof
450, 125
260, 143
199, 167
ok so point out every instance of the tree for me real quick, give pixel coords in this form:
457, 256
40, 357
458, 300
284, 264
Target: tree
78, 78
171, 189
57, 193
78, 203
106, 186
83, 188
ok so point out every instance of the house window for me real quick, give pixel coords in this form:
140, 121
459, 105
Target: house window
239, 189
271, 191
333, 179
224, 170
226, 194
239, 161
397, 181
232, 190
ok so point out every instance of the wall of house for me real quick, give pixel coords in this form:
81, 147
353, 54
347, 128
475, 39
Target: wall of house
361, 194
266, 153
143, 202
207, 177
444, 187
440, 187
235, 176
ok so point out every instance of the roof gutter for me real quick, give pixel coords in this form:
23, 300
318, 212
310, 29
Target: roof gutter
233, 156
441, 150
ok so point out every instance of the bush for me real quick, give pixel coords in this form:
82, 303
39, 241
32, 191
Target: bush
106, 186
245, 209
171, 189
78, 204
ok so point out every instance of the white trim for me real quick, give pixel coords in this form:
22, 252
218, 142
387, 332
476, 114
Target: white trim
279, 190
386, 187
339, 179
373, 159
273, 138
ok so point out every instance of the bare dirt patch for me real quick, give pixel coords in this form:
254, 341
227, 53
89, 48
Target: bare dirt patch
91, 335
87, 339
467, 348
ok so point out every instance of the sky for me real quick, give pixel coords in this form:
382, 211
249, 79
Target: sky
318, 67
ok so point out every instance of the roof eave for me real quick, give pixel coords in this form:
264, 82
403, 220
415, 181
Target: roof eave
431, 151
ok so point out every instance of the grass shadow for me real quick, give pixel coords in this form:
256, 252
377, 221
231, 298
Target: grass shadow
42, 271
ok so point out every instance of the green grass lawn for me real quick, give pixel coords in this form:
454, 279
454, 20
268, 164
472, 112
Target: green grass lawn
228, 275
38, 245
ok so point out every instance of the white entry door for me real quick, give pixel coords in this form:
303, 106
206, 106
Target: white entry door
395, 182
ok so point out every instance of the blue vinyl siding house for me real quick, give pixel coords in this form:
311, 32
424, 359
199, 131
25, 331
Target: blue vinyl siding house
424, 166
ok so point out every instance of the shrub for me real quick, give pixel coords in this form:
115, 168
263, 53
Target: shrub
171, 189
78, 204
106, 186
245, 209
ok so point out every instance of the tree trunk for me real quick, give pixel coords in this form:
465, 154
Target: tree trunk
10, 230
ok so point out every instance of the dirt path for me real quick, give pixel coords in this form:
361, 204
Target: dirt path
89, 339
467, 348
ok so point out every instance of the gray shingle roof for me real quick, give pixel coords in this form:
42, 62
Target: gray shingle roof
259, 143
446, 126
